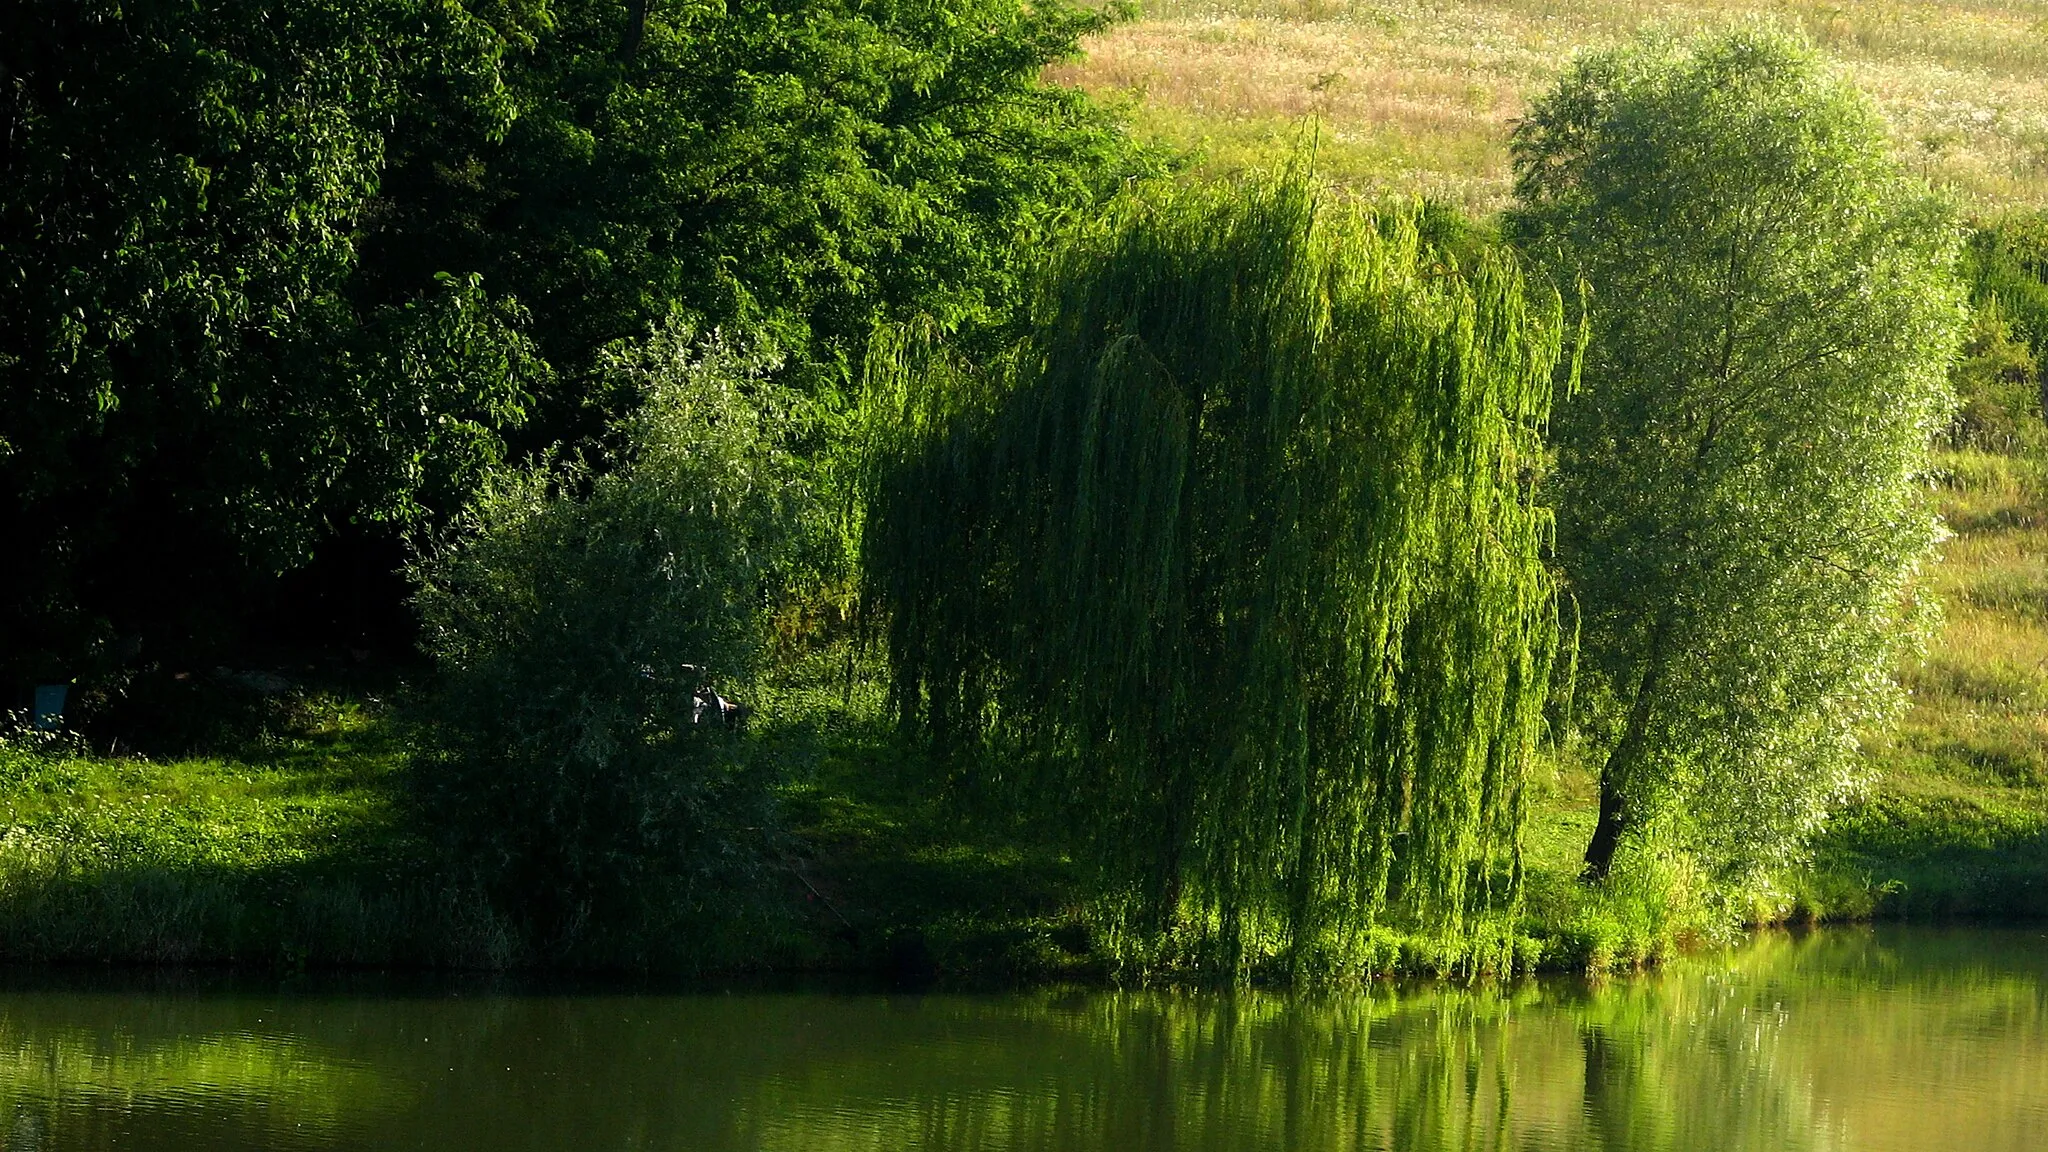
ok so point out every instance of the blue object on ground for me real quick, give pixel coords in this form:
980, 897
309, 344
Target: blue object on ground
49, 711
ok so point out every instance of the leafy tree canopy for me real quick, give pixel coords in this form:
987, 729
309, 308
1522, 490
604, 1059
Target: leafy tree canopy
1774, 308
1239, 553
796, 167
186, 374
269, 268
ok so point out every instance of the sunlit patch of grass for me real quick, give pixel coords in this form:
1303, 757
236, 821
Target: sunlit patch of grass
1437, 86
277, 803
1379, 161
292, 851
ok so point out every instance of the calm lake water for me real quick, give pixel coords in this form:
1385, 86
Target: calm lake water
1843, 1039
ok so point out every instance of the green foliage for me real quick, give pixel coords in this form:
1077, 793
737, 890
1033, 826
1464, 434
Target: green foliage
1740, 505
1998, 387
801, 167
574, 613
189, 376
1957, 824
271, 273
2001, 380
1236, 561
2006, 259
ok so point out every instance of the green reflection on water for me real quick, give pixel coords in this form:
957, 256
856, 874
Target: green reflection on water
1878, 1040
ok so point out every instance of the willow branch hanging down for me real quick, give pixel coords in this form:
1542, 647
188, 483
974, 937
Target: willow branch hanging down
1238, 554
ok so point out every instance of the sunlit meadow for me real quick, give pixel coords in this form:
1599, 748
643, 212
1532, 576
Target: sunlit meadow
1420, 98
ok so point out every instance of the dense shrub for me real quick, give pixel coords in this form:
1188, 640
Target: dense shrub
575, 615
1998, 390
2000, 380
2007, 259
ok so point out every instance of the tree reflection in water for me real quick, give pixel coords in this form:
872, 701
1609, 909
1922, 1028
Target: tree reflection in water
1853, 1039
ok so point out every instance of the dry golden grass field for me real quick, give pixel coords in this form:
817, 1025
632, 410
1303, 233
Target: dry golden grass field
1418, 97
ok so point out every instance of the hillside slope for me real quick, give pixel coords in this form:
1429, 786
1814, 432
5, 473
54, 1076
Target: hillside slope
1420, 97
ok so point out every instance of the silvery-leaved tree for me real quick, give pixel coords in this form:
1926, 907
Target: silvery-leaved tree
1774, 308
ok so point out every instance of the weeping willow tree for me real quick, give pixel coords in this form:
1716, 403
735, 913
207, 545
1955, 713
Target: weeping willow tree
1237, 559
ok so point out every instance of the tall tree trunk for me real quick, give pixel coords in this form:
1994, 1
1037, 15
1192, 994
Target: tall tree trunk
1615, 818
636, 31
1619, 804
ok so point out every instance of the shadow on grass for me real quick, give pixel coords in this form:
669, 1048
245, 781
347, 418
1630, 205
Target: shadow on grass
1934, 857
296, 849
912, 884
276, 918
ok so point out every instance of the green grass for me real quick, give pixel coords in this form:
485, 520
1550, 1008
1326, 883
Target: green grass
291, 851
1420, 98
297, 850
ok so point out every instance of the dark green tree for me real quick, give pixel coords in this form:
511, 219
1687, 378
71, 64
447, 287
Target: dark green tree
193, 388
797, 167
1740, 510
269, 271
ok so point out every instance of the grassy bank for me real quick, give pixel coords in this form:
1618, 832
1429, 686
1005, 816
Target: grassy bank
298, 848
287, 850
294, 847
299, 852
1419, 97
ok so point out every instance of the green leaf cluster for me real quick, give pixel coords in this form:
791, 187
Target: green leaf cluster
800, 167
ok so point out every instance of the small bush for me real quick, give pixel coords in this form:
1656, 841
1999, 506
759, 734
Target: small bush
1998, 388
574, 616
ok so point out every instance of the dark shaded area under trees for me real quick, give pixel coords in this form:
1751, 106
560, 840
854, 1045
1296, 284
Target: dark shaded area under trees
278, 282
